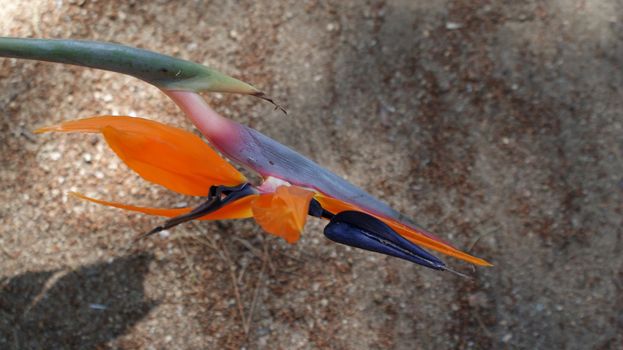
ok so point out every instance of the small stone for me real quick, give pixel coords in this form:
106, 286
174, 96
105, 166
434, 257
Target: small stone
98, 306
55, 155
453, 25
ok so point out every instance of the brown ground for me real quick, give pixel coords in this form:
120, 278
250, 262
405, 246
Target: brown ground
498, 126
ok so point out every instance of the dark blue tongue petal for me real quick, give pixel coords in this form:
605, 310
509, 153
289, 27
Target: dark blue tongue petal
364, 231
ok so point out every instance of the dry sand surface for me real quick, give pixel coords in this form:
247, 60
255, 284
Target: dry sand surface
497, 125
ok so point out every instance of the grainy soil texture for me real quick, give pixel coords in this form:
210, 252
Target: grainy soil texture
497, 125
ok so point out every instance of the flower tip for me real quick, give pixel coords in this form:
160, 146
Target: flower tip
47, 129
483, 263
76, 194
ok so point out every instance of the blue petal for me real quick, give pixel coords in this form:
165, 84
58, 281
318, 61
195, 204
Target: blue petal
364, 231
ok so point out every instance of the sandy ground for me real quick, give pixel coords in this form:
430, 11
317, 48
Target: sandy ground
496, 125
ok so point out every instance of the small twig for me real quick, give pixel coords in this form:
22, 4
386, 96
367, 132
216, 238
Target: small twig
290, 256
256, 252
243, 269
224, 255
248, 245
194, 272
204, 240
269, 257
6, 252
42, 293
257, 289
232, 274
480, 236
482, 325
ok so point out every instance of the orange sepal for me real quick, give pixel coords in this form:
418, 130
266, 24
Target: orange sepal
239, 209
284, 212
168, 156
335, 206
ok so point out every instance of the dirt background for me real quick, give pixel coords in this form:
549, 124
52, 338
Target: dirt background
495, 124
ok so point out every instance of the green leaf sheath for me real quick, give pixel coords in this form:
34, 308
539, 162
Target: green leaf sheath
163, 71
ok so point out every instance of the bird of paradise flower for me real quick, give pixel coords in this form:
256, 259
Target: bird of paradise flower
292, 188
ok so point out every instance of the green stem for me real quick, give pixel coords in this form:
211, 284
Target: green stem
163, 71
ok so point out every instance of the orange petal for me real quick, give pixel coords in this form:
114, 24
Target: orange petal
335, 206
284, 212
171, 157
239, 209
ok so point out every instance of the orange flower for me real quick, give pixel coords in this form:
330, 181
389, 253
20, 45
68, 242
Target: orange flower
182, 162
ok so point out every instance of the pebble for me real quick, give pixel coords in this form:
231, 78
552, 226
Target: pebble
98, 306
55, 155
453, 25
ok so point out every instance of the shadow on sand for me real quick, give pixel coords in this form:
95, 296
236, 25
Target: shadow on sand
82, 309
